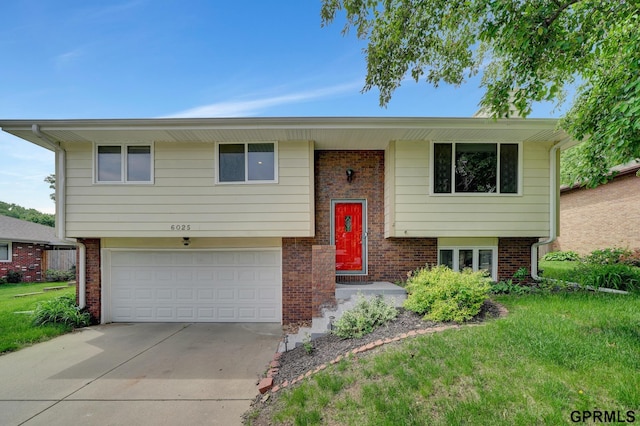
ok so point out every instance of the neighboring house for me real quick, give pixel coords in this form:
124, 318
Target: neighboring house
601, 217
254, 219
24, 247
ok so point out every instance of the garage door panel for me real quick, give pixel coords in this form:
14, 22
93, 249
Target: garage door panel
199, 286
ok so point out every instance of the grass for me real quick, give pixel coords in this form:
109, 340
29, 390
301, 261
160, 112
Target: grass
16, 330
552, 355
560, 270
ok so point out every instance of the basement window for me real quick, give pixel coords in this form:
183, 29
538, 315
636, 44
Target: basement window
475, 258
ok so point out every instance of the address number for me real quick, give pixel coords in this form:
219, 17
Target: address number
180, 227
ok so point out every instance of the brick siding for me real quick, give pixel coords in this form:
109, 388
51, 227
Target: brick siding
93, 284
513, 254
323, 278
28, 259
601, 217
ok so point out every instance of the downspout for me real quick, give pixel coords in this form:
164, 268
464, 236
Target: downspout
554, 189
61, 188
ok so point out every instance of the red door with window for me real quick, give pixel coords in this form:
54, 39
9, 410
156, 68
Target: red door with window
349, 235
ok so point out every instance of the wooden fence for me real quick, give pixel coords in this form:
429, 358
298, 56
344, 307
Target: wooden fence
60, 259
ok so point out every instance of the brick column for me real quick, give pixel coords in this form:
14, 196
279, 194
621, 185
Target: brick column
93, 284
513, 253
296, 280
323, 278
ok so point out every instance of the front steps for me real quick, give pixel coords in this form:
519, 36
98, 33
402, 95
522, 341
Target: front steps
346, 297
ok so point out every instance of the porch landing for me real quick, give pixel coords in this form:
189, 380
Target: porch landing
346, 291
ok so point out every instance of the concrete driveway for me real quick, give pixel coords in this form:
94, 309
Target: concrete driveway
138, 374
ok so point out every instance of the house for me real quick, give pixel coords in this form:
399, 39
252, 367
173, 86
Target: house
602, 217
255, 219
24, 247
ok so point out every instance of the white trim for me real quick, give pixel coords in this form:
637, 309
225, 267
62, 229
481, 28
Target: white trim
453, 192
9, 252
246, 180
476, 257
365, 234
123, 164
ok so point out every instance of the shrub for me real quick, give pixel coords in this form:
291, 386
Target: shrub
562, 256
14, 277
56, 275
618, 276
509, 287
444, 295
632, 257
607, 256
60, 310
366, 316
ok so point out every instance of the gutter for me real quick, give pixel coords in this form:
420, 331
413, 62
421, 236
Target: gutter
554, 195
61, 160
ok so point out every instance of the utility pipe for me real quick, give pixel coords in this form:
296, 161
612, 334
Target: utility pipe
553, 207
61, 230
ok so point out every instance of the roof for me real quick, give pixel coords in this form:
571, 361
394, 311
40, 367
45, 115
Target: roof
12, 229
326, 132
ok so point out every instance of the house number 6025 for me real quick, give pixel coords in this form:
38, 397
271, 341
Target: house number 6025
180, 227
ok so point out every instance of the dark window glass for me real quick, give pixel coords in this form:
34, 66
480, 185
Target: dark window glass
476, 167
261, 161
4, 251
446, 258
109, 164
509, 168
465, 259
231, 163
485, 260
139, 163
442, 168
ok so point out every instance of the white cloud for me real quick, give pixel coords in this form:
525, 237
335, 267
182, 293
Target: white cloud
249, 107
67, 57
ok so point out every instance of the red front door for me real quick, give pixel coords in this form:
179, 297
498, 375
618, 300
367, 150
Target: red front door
349, 236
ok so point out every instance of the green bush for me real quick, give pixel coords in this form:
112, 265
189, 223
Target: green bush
618, 276
60, 310
509, 287
561, 256
14, 277
444, 295
607, 256
366, 316
57, 275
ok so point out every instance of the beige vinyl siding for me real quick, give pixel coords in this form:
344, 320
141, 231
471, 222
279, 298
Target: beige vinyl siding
196, 243
184, 192
417, 214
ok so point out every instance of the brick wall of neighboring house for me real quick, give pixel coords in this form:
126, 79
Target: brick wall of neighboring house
92, 277
27, 258
601, 217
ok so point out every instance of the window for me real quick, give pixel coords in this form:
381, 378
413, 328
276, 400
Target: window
247, 162
465, 168
124, 163
5, 251
459, 258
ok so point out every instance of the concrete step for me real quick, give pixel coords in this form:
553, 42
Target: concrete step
347, 295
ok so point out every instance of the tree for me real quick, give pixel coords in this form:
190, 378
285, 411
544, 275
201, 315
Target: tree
526, 51
51, 180
30, 215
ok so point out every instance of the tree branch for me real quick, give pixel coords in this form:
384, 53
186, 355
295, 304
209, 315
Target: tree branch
561, 7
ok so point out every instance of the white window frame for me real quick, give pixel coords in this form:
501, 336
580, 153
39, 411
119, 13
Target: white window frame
123, 164
453, 173
476, 257
9, 252
246, 180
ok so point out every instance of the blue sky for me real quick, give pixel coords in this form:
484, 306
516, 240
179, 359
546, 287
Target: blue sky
163, 58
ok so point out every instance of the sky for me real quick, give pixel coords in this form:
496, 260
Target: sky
77, 59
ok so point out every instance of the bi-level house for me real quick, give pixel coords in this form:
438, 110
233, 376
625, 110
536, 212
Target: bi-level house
255, 219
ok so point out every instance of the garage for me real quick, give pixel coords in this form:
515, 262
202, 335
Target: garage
195, 285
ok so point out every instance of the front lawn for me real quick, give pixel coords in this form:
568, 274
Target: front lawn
553, 355
16, 330
556, 269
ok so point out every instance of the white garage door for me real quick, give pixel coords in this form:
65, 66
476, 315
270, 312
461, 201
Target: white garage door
196, 286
